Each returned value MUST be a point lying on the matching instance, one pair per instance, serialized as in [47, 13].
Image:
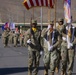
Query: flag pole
[55, 6]
[49, 11]
[41, 17]
[33, 13]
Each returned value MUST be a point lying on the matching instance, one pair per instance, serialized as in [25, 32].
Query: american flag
[35, 3]
[67, 10]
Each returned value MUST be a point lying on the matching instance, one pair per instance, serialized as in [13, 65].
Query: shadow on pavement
[6, 71]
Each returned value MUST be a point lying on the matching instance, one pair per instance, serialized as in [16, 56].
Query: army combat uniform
[21, 37]
[62, 48]
[24, 40]
[5, 36]
[33, 36]
[71, 41]
[11, 37]
[50, 55]
[15, 38]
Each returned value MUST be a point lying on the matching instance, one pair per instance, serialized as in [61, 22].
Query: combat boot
[4, 45]
[62, 73]
[56, 70]
[45, 72]
[35, 73]
[52, 73]
[29, 72]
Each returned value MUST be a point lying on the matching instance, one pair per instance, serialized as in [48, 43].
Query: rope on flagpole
[55, 6]
[41, 17]
[49, 11]
[33, 13]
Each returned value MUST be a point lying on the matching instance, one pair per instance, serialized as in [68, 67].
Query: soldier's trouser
[10, 39]
[64, 58]
[25, 43]
[53, 59]
[58, 61]
[6, 41]
[21, 41]
[46, 69]
[34, 57]
[50, 58]
[46, 60]
[15, 40]
[70, 61]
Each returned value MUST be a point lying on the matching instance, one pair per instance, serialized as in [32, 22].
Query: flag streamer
[67, 10]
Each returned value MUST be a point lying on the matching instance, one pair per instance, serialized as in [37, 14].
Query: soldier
[60, 28]
[51, 39]
[34, 47]
[46, 52]
[15, 38]
[71, 41]
[60, 25]
[21, 37]
[63, 56]
[25, 43]
[5, 36]
[11, 37]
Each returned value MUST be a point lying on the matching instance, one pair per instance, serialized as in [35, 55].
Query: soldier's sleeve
[74, 42]
[58, 40]
[43, 32]
[64, 31]
[28, 34]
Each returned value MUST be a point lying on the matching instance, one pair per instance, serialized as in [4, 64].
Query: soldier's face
[60, 23]
[52, 25]
[34, 25]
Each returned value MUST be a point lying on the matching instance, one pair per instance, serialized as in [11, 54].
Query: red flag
[33, 3]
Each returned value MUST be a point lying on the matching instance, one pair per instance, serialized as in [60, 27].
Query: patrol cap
[34, 21]
[51, 22]
[60, 20]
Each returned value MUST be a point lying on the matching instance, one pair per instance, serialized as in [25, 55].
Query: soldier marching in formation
[57, 44]
[51, 39]
[34, 48]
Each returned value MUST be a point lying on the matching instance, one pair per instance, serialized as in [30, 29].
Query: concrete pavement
[14, 61]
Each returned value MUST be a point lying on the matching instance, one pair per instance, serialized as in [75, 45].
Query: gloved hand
[28, 41]
[71, 44]
[64, 38]
[41, 52]
[50, 48]
[48, 27]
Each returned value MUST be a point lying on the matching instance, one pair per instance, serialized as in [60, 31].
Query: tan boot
[45, 72]
[56, 70]
[62, 73]
[52, 73]
[29, 72]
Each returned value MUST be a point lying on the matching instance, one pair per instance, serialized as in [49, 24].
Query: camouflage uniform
[11, 37]
[15, 39]
[50, 57]
[63, 57]
[5, 36]
[33, 49]
[62, 48]
[70, 46]
[21, 37]
[25, 43]
[46, 52]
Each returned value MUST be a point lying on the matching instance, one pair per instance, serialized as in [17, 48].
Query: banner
[67, 10]
[12, 26]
